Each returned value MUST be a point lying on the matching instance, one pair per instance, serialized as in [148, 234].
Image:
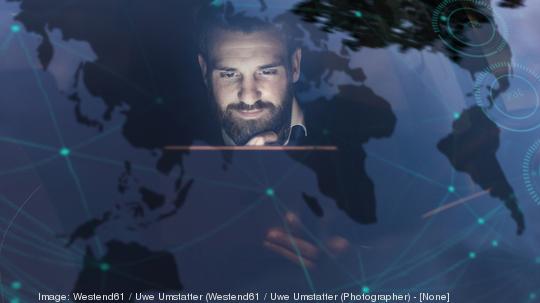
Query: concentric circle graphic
[509, 95]
[531, 172]
[469, 27]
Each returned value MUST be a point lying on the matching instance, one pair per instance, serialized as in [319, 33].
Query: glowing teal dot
[494, 243]
[481, 221]
[472, 255]
[326, 132]
[451, 189]
[64, 151]
[15, 28]
[358, 14]
[443, 18]
[16, 285]
[456, 115]
[104, 266]
[270, 192]
[14, 300]
[537, 260]
[216, 3]
[365, 289]
[532, 296]
[159, 100]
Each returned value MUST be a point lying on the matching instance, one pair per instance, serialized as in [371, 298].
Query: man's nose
[249, 92]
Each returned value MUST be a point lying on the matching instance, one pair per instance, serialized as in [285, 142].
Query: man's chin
[243, 138]
[242, 130]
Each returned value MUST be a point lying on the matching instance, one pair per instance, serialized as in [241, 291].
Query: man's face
[250, 78]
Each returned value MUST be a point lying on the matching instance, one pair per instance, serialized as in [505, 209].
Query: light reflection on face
[251, 83]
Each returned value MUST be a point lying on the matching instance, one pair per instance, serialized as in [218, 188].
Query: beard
[277, 119]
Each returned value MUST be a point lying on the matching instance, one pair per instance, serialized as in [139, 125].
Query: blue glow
[104, 266]
[16, 285]
[64, 151]
[15, 28]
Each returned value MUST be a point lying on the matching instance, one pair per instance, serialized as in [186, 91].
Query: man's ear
[296, 63]
[204, 67]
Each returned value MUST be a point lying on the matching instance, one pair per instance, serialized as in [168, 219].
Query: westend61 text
[250, 297]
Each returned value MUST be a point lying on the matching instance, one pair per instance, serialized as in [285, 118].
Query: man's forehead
[233, 46]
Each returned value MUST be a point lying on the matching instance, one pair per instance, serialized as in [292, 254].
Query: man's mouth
[250, 113]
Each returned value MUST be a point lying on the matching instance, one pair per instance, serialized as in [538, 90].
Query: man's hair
[211, 20]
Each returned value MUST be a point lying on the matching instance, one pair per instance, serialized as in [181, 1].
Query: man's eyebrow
[273, 64]
[225, 68]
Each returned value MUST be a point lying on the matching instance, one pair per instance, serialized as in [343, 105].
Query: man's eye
[228, 75]
[269, 71]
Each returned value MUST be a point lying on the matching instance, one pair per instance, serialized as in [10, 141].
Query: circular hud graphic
[508, 94]
[469, 28]
[531, 171]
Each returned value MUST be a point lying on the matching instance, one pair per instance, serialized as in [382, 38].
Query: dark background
[116, 81]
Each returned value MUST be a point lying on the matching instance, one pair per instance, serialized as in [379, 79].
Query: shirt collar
[297, 119]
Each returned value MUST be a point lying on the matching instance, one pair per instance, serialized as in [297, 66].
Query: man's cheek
[275, 92]
[226, 92]
[222, 99]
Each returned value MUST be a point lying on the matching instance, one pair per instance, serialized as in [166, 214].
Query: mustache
[255, 106]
